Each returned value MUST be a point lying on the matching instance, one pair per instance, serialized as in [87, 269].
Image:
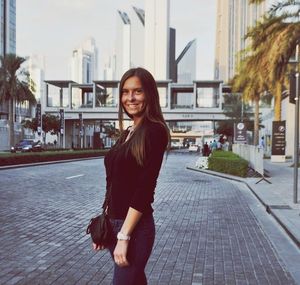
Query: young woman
[132, 167]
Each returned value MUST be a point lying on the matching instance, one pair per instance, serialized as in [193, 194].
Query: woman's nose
[131, 95]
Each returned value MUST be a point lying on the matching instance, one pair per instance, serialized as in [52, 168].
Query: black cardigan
[132, 185]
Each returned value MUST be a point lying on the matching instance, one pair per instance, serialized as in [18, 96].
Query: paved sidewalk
[276, 197]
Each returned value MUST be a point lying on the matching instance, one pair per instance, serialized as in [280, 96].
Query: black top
[133, 185]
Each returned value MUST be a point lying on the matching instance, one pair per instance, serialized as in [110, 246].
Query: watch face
[121, 236]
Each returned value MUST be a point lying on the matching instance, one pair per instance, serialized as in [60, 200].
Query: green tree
[236, 110]
[50, 123]
[250, 82]
[265, 62]
[14, 87]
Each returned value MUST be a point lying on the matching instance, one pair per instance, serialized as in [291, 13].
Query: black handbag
[100, 227]
[100, 230]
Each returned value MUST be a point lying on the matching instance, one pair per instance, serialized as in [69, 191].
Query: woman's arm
[120, 253]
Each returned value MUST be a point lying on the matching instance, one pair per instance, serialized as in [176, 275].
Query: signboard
[38, 116]
[293, 89]
[240, 133]
[80, 124]
[278, 141]
[62, 120]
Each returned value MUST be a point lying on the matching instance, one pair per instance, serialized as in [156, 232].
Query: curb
[269, 210]
[5, 167]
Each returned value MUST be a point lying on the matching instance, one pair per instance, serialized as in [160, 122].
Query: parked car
[27, 145]
[194, 148]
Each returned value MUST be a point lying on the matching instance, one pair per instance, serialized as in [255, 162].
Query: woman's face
[133, 97]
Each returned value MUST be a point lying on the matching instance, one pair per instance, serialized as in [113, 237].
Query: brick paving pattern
[206, 232]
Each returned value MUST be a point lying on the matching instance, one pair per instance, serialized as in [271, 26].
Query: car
[194, 148]
[176, 144]
[27, 145]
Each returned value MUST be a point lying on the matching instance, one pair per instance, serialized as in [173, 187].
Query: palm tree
[250, 82]
[275, 37]
[265, 61]
[14, 87]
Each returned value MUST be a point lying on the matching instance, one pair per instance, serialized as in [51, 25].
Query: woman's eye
[139, 91]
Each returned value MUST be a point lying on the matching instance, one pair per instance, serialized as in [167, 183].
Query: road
[209, 230]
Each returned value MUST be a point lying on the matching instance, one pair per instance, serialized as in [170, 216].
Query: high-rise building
[8, 27]
[146, 43]
[157, 20]
[7, 45]
[36, 69]
[172, 55]
[7, 37]
[84, 69]
[234, 17]
[84, 62]
[186, 63]
[110, 68]
[123, 44]
[137, 17]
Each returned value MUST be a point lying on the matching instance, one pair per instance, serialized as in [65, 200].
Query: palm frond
[281, 5]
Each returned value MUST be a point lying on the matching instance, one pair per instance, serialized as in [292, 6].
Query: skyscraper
[7, 38]
[234, 17]
[8, 27]
[137, 17]
[123, 44]
[7, 45]
[157, 20]
[84, 62]
[36, 68]
[186, 63]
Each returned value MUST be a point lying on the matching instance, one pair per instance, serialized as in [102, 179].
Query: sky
[53, 28]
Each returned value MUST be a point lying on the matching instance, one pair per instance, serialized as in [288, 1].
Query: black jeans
[139, 250]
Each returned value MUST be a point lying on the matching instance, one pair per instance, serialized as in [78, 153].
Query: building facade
[186, 63]
[123, 44]
[157, 38]
[8, 27]
[84, 62]
[234, 17]
[7, 45]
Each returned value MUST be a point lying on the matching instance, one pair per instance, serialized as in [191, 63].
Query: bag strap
[107, 199]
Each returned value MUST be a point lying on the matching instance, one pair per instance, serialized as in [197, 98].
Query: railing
[251, 153]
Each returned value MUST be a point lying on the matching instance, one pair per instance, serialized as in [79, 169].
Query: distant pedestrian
[262, 143]
[132, 167]
[206, 149]
[214, 145]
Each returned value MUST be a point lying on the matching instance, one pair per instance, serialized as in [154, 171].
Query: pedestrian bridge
[198, 101]
[90, 111]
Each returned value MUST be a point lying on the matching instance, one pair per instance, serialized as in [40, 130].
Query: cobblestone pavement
[206, 231]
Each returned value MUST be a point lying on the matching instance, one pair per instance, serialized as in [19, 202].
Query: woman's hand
[120, 253]
[98, 247]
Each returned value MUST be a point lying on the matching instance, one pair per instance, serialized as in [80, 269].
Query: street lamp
[296, 142]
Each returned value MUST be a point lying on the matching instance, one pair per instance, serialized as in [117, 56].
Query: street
[209, 230]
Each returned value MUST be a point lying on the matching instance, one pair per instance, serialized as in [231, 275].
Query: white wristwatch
[121, 236]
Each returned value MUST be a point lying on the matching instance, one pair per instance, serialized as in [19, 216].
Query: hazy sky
[53, 28]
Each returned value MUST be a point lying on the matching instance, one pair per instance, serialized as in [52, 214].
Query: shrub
[228, 162]
[25, 158]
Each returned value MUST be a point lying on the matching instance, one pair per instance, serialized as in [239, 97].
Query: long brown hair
[151, 113]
